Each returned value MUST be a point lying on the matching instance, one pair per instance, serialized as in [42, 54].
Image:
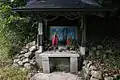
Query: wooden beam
[40, 37]
[46, 29]
[83, 40]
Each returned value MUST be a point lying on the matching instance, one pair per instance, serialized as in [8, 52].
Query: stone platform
[55, 76]
[45, 57]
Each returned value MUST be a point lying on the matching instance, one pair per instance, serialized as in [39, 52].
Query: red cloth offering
[54, 40]
[68, 42]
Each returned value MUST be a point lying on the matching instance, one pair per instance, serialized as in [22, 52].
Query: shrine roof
[62, 5]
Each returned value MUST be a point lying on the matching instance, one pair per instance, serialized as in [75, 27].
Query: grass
[8, 73]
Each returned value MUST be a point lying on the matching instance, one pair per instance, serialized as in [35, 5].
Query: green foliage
[18, 3]
[14, 31]
[13, 74]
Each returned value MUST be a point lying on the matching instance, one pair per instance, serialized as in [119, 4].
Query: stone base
[71, 61]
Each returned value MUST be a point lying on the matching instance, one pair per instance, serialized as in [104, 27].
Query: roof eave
[63, 9]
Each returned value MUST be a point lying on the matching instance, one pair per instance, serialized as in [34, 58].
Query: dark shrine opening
[64, 28]
[96, 27]
[62, 21]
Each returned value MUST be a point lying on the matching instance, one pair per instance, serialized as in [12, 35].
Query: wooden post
[83, 40]
[46, 29]
[40, 37]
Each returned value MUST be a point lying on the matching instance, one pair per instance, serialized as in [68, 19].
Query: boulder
[85, 62]
[30, 75]
[22, 58]
[89, 64]
[96, 74]
[33, 48]
[87, 71]
[14, 65]
[27, 47]
[23, 51]
[108, 51]
[116, 76]
[92, 68]
[86, 76]
[98, 53]
[108, 78]
[93, 48]
[27, 54]
[25, 60]
[20, 63]
[21, 55]
[16, 60]
[90, 53]
[33, 43]
[99, 46]
[32, 62]
[93, 78]
[30, 44]
[27, 66]
[16, 56]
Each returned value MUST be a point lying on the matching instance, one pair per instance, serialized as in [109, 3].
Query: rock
[85, 62]
[89, 64]
[33, 48]
[32, 62]
[21, 55]
[90, 53]
[14, 65]
[93, 78]
[16, 60]
[25, 60]
[106, 74]
[108, 51]
[22, 58]
[93, 49]
[27, 47]
[27, 54]
[116, 76]
[23, 51]
[96, 74]
[98, 53]
[38, 51]
[108, 78]
[30, 75]
[92, 68]
[16, 56]
[30, 44]
[20, 63]
[99, 46]
[87, 70]
[86, 76]
[27, 65]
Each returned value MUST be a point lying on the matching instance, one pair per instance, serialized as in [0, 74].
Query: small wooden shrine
[66, 18]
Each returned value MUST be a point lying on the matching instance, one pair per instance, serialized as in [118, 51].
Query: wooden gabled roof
[61, 5]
